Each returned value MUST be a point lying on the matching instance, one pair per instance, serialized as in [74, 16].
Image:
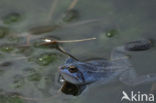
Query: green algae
[12, 18]
[7, 48]
[111, 33]
[44, 59]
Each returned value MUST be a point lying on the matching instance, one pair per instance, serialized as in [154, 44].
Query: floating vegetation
[45, 59]
[3, 31]
[10, 99]
[11, 18]
[70, 15]
[111, 33]
[7, 48]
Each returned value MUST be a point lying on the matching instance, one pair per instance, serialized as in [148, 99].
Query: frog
[80, 74]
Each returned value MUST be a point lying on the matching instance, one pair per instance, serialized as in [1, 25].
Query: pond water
[31, 71]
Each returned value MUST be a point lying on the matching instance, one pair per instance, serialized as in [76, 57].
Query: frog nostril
[61, 67]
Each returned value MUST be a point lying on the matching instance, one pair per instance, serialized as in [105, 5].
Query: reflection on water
[31, 71]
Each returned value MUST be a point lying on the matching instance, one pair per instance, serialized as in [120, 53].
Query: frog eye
[72, 69]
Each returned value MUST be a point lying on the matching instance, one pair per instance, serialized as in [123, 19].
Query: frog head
[76, 72]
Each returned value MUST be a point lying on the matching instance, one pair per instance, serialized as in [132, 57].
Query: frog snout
[61, 68]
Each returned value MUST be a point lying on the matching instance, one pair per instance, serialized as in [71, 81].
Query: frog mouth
[70, 88]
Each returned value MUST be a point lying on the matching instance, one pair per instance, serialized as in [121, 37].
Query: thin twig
[48, 41]
[52, 9]
[72, 5]
[59, 48]
[74, 41]
[28, 39]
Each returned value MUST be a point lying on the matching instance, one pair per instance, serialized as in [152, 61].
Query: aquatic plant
[45, 59]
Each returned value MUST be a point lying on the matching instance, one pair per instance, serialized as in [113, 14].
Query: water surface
[132, 19]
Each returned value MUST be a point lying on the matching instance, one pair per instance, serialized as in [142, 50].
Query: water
[132, 19]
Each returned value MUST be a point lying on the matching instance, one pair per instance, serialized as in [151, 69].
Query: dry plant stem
[72, 41]
[55, 42]
[52, 9]
[72, 5]
[67, 41]
[28, 40]
[59, 48]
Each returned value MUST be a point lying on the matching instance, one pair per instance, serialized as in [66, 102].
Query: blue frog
[81, 74]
